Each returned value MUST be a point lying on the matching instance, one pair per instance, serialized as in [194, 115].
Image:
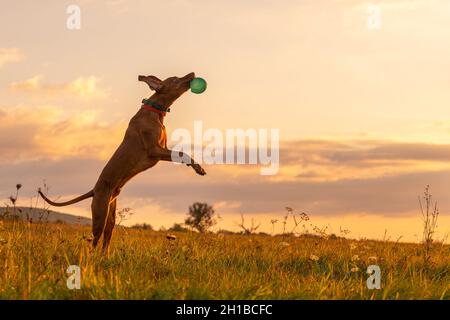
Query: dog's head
[167, 91]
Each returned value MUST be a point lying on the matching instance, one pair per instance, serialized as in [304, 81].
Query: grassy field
[144, 264]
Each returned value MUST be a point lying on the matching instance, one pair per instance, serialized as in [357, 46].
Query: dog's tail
[62, 204]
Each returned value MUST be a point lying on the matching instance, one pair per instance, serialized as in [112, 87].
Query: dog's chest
[163, 138]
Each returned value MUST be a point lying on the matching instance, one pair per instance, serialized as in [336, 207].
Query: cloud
[362, 152]
[321, 177]
[386, 196]
[322, 160]
[175, 187]
[27, 85]
[10, 55]
[86, 88]
[83, 87]
[53, 135]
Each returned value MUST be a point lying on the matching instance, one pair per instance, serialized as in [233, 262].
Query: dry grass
[146, 264]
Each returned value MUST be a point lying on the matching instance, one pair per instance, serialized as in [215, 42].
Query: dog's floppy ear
[153, 82]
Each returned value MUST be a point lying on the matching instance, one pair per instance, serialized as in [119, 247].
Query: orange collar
[150, 108]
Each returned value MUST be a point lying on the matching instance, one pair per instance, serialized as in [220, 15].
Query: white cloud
[32, 83]
[83, 87]
[86, 87]
[10, 55]
[36, 132]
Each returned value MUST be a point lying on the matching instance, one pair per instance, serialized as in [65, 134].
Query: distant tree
[177, 227]
[201, 217]
[142, 226]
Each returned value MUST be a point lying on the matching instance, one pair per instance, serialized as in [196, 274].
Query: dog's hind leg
[110, 223]
[100, 209]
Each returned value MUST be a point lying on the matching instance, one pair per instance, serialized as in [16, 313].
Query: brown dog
[144, 144]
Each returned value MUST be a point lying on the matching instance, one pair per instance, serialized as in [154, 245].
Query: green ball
[198, 85]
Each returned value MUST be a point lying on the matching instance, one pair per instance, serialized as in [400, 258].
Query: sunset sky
[364, 115]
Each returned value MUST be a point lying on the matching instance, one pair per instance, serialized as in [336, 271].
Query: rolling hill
[42, 215]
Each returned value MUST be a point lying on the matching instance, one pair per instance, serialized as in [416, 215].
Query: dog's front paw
[198, 169]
